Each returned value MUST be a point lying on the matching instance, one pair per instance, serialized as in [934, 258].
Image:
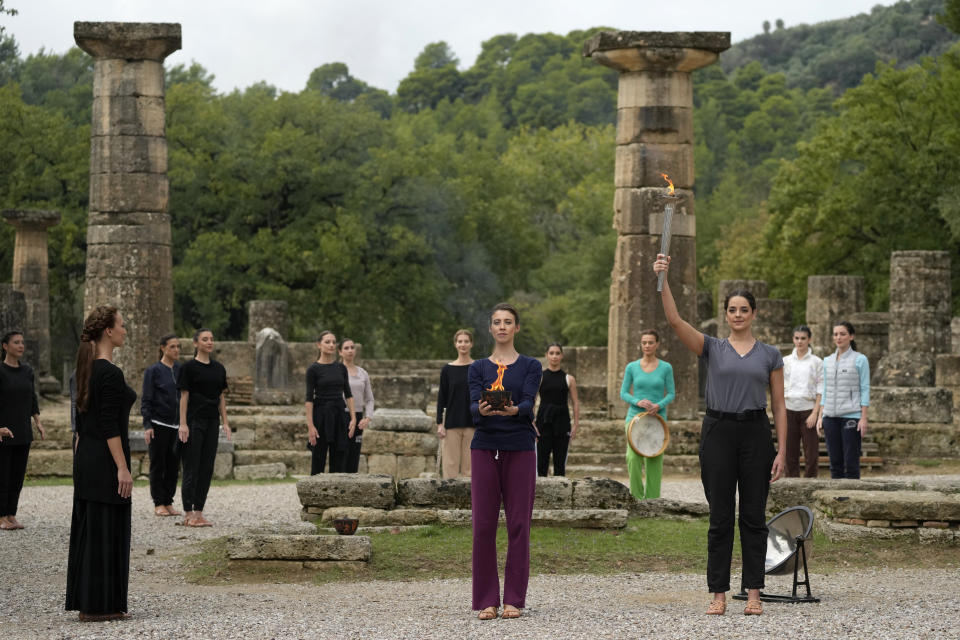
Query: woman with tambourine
[647, 387]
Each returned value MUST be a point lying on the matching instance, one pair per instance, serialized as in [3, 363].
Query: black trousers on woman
[555, 440]
[13, 468]
[98, 562]
[331, 423]
[164, 465]
[736, 453]
[352, 461]
[198, 454]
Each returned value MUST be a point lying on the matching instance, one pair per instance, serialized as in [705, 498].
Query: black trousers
[164, 465]
[352, 460]
[555, 441]
[198, 454]
[13, 468]
[736, 454]
[331, 423]
[843, 446]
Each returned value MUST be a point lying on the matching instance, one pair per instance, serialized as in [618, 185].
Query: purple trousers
[510, 477]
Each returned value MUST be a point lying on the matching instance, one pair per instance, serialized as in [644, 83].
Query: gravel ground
[873, 604]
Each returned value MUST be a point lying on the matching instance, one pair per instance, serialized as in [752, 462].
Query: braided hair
[99, 320]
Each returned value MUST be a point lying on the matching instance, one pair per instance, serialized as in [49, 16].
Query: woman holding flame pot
[736, 451]
[503, 462]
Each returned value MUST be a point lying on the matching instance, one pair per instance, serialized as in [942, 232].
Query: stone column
[654, 136]
[13, 309]
[263, 314]
[30, 276]
[831, 299]
[128, 234]
[920, 309]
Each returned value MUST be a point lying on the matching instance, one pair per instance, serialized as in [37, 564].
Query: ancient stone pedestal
[128, 234]
[272, 368]
[30, 276]
[831, 299]
[264, 314]
[654, 136]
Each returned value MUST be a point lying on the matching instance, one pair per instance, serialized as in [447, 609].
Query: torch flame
[498, 383]
[669, 182]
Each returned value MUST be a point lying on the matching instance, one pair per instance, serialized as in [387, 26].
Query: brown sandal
[753, 608]
[487, 614]
[717, 608]
[510, 614]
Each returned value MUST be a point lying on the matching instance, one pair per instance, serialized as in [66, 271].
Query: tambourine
[648, 435]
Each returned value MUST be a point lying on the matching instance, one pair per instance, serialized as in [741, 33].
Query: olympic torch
[665, 234]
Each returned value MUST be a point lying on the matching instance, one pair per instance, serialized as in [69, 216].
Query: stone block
[411, 466]
[948, 371]
[128, 116]
[641, 165]
[889, 506]
[128, 154]
[347, 490]
[402, 391]
[382, 518]
[640, 89]
[924, 440]
[263, 314]
[790, 492]
[938, 536]
[382, 464]
[581, 518]
[136, 465]
[911, 404]
[774, 321]
[386, 419]
[296, 462]
[127, 40]
[260, 471]
[955, 335]
[121, 77]
[656, 124]
[129, 234]
[553, 493]
[129, 192]
[244, 438]
[280, 432]
[664, 508]
[50, 463]
[298, 547]
[453, 493]
[837, 532]
[873, 336]
[933, 524]
[588, 364]
[857, 521]
[904, 523]
[405, 443]
[601, 493]
[223, 465]
[831, 299]
[640, 211]
[903, 369]
[282, 527]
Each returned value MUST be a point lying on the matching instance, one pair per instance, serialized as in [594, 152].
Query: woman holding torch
[736, 451]
[503, 462]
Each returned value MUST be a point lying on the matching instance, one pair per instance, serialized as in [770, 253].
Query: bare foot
[171, 511]
[14, 523]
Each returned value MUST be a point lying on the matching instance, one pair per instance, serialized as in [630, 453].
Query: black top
[204, 383]
[18, 402]
[161, 399]
[453, 398]
[107, 416]
[553, 413]
[328, 383]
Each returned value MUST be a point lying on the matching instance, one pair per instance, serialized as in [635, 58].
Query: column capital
[128, 40]
[683, 51]
[31, 218]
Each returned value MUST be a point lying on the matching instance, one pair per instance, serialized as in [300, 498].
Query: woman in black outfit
[98, 565]
[454, 421]
[553, 415]
[18, 404]
[160, 408]
[329, 402]
[202, 382]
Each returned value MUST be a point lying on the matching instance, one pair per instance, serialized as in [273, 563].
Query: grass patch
[645, 545]
[928, 464]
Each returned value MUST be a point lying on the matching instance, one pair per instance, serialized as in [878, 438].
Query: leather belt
[743, 416]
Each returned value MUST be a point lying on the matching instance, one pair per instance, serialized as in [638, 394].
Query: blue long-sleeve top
[160, 399]
[656, 386]
[505, 433]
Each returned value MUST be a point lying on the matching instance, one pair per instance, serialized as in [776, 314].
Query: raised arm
[688, 335]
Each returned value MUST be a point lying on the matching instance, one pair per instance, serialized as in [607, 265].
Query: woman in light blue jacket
[844, 402]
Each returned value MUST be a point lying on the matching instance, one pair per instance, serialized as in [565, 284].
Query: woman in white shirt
[802, 377]
[363, 400]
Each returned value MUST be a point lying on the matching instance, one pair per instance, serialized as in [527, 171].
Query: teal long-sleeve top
[656, 386]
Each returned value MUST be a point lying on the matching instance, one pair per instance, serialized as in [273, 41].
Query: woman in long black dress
[331, 419]
[98, 566]
[18, 404]
[553, 414]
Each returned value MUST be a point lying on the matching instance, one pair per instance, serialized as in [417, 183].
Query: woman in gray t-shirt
[736, 451]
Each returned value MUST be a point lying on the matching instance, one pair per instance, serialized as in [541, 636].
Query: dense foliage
[398, 218]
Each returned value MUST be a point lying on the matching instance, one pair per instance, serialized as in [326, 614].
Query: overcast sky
[244, 41]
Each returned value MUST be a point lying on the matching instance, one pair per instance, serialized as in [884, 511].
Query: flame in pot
[498, 383]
